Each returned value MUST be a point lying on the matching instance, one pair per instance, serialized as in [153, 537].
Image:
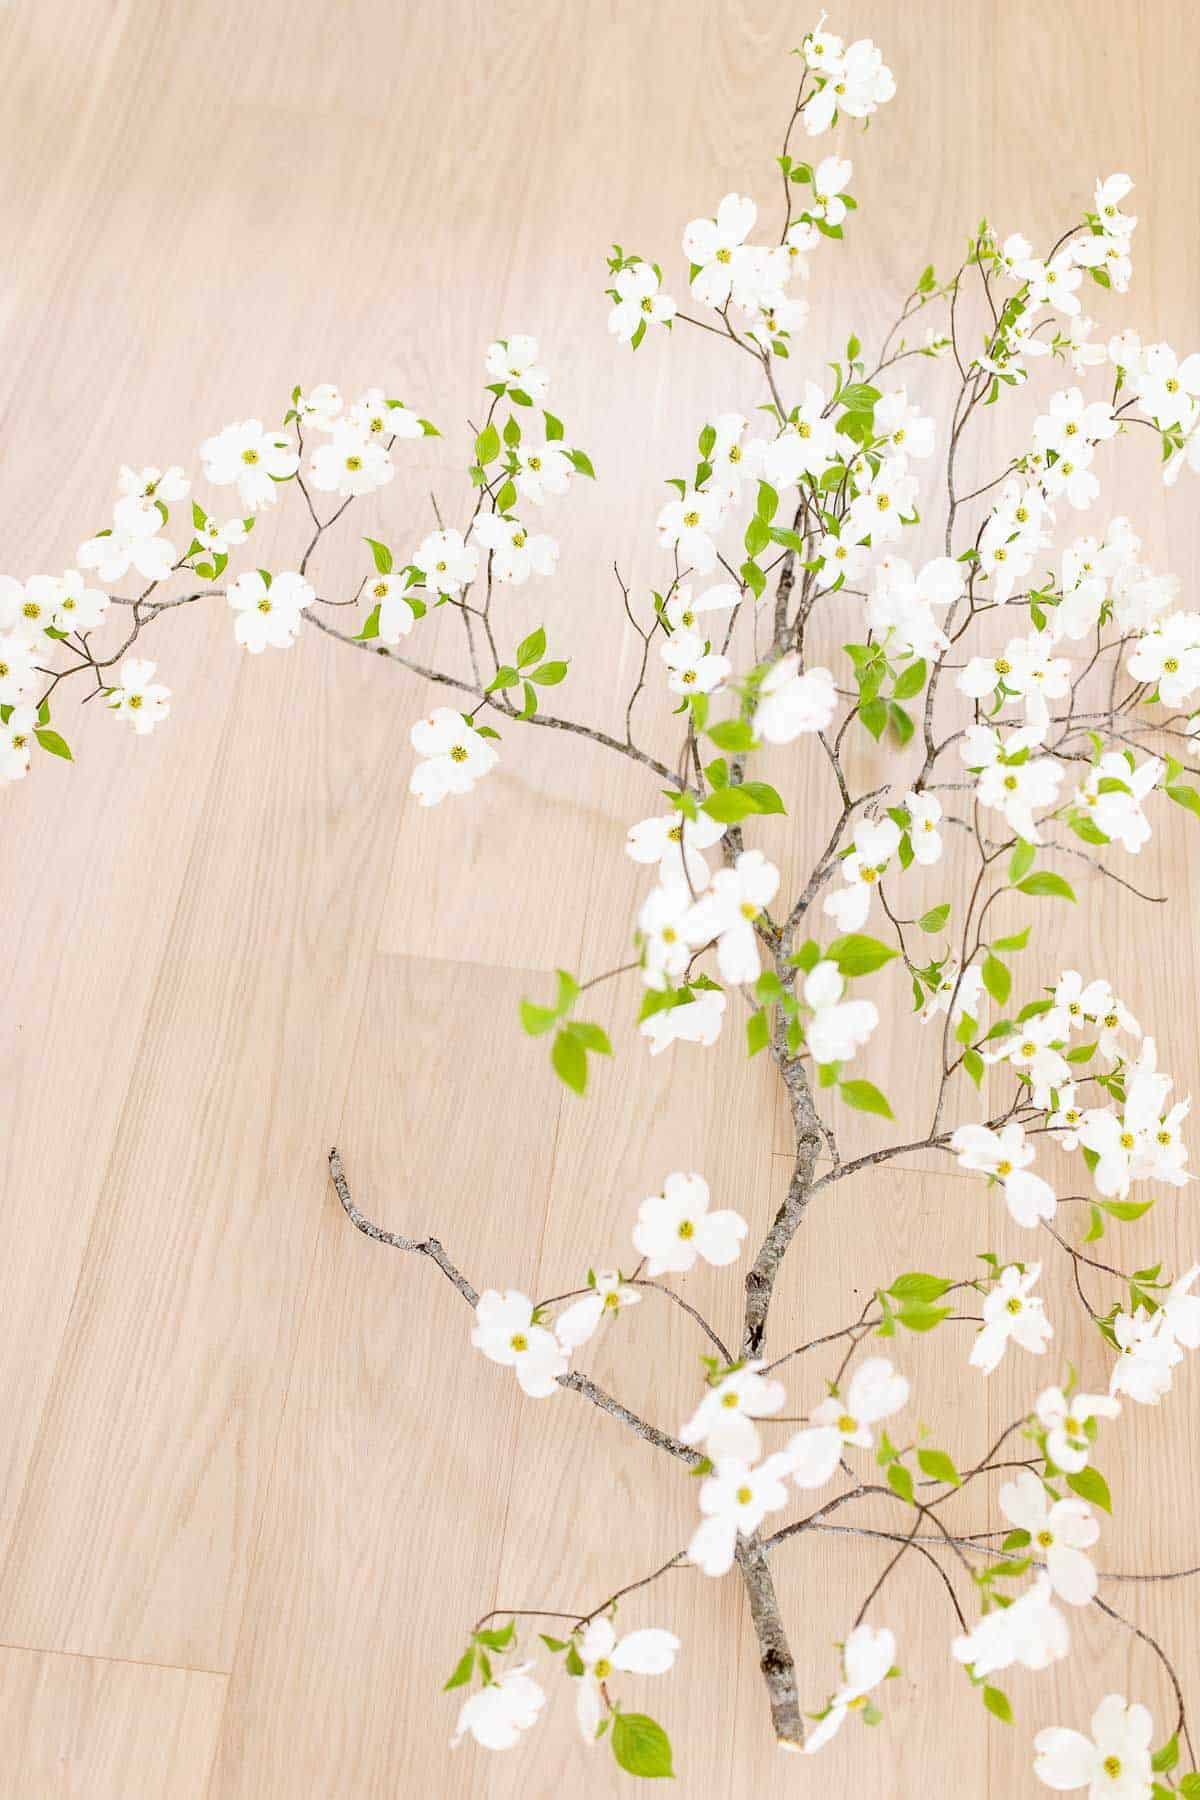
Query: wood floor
[253, 1486]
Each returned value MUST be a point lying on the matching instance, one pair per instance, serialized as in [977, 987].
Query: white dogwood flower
[868, 1656]
[138, 697]
[1012, 1313]
[514, 361]
[349, 462]
[1113, 1764]
[924, 817]
[320, 407]
[16, 743]
[675, 1227]
[791, 703]
[664, 919]
[517, 553]
[18, 671]
[396, 615]
[455, 756]
[676, 844]
[1031, 1632]
[447, 563]
[727, 912]
[648, 1652]
[693, 667]
[1006, 1156]
[711, 245]
[133, 542]
[542, 470]
[689, 525]
[1065, 1424]
[838, 1028]
[252, 459]
[724, 1420]
[506, 1333]
[695, 1021]
[268, 611]
[876, 1391]
[150, 483]
[497, 1714]
[876, 841]
[1060, 1535]
[857, 83]
[684, 608]
[736, 1499]
[1114, 794]
[604, 1300]
[380, 420]
[640, 304]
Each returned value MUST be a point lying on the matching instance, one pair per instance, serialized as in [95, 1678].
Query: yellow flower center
[1112, 1767]
[1045, 1539]
[804, 429]
[1127, 1140]
[1072, 1426]
[648, 304]
[1171, 385]
[612, 1301]
[1003, 667]
[748, 910]
[380, 590]
[1013, 1306]
[602, 1669]
[669, 934]
[1004, 1168]
[264, 605]
[1111, 1020]
[1070, 428]
[1029, 1048]
[354, 464]
[1170, 665]
[691, 520]
[724, 256]
[729, 1400]
[250, 456]
[744, 1496]
[846, 1424]
[535, 462]
[1011, 783]
[458, 753]
[133, 700]
[519, 1341]
[1164, 1137]
[686, 1228]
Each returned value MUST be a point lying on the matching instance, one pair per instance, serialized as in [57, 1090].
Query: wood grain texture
[241, 1443]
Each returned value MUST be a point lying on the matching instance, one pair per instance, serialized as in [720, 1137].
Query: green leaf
[1189, 1787]
[917, 1315]
[1186, 797]
[732, 735]
[900, 721]
[1046, 885]
[531, 649]
[874, 715]
[730, 804]
[506, 499]
[641, 1746]
[548, 674]
[939, 1467]
[593, 1037]
[557, 1645]
[900, 1482]
[583, 462]
[757, 1032]
[757, 536]
[370, 626]
[911, 681]
[1017, 941]
[1167, 1756]
[51, 741]
[1021, 861]
[382, 555]
[554, 428]
[935, 918]
[918, 1286]
[857, 954]
[568, 1058]
[462, 1670]
[487, 446]
[536, 1020]
[998, 1704]
[865, 1097]
[1091, 1486]
[1125, 1210]
[973, 1064]
[498, 1637]
[997, 979]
